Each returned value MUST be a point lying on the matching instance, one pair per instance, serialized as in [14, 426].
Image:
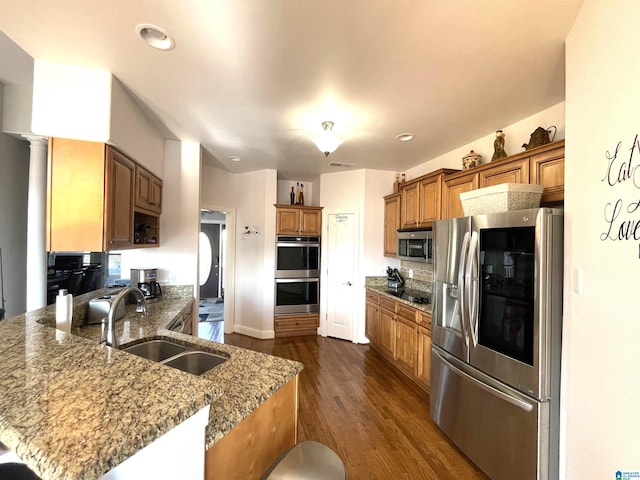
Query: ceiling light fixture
[234, 158]
[404, 137]
[328, 141]
[155, 36]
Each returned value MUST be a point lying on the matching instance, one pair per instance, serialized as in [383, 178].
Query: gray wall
[14, 182]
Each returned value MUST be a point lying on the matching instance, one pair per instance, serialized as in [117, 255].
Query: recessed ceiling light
[155, 36]
[234, 158]
[404, 137]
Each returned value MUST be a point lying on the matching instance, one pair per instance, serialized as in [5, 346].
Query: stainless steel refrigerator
[496, 336]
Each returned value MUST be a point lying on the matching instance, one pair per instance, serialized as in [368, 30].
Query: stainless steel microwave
[415, 246]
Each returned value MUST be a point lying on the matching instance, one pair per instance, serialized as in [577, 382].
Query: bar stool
[307, 460]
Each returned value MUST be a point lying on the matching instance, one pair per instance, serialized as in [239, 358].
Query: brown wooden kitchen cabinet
[247, 451]
[90, 198]
[547, 168]
[453, 187]
[391, 223]
[515, 171]
[372, 317]
[298, 220]
[423, 365]
[148, 191]
[422, 200]
[402, 334]
[542, 165]
[386, 334]
[296, 325]
[406, 338]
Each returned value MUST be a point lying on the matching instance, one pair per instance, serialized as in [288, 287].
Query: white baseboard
[255, 333]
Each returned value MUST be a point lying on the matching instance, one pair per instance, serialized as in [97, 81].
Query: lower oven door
[297, 295]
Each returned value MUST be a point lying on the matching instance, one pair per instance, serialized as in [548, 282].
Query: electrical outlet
[410, 273]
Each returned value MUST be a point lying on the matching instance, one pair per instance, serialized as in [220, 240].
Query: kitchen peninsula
[73, 409]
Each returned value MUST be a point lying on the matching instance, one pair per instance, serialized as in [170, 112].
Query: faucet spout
[108, 336]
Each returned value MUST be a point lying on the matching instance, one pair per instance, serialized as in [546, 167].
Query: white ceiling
[255, 78]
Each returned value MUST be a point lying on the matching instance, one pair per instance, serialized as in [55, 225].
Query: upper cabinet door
[516, 171]
[310, 222]
[453, 187]
[411, 205]
[148, 191]
[392, 210]
[120, 182]
[430, 193]
[287, 221]
[547, 168]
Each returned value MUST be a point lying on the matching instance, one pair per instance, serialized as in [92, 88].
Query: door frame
[229, 275]
[357, 330]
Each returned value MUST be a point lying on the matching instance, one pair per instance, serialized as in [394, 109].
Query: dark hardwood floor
[354, 402]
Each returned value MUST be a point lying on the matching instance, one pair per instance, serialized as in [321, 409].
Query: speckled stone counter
[72, 409]
[379, 285]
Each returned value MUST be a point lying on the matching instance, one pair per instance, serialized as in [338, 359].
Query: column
[36, 224]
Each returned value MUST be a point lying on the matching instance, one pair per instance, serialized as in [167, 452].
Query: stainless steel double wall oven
[297, 275]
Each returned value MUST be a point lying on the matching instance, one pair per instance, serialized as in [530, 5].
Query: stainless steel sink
[195, 362]
[156, 350]
[177, 356]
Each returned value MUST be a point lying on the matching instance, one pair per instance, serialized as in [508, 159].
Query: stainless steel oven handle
[461, 289]
[297, 280]
[526, 406]
[295, 244]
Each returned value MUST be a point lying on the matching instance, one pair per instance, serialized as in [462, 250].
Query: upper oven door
[297, 258]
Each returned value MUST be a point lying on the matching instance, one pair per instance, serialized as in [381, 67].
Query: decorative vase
[498, 146]
[471, 160]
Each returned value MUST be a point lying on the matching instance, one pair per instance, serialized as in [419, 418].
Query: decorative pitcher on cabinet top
[540, 137]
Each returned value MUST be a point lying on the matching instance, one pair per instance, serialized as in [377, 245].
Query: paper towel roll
[64, 310]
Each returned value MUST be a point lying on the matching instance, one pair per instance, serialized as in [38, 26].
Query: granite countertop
[73, 409]
[379, 285]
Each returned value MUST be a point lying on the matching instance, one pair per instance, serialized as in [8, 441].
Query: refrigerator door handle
[471, 288]
[526, 406]
[461, 288]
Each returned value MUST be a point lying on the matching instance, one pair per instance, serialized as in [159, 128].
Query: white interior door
[342, 254]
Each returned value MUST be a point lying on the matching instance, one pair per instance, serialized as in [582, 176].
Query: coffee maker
[147, 279]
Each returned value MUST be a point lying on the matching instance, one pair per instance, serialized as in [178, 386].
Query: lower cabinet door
[423, 367]
[406, 338]
[387, 332]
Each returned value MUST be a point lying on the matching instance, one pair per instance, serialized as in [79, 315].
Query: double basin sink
[177, 356]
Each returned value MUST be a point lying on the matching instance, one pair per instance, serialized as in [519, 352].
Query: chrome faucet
[108, 333]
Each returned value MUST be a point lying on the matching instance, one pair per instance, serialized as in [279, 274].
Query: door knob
[348, 284]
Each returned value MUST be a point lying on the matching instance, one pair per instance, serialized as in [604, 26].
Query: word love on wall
[623, 216]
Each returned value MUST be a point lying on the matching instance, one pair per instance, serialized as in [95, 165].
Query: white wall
[255, 254]
[132, 132]
[177, 256]
[16, 71]
[14, 182]
[71, 102]
[600, 387]
[284, 190]
[219, 187]
[515, 135]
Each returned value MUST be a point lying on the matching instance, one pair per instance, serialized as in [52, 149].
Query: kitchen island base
[249, 449]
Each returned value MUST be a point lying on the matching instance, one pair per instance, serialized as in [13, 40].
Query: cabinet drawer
[296, 325]
[424, 319]
[407, 312]
[387, 303]
[373, 296]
